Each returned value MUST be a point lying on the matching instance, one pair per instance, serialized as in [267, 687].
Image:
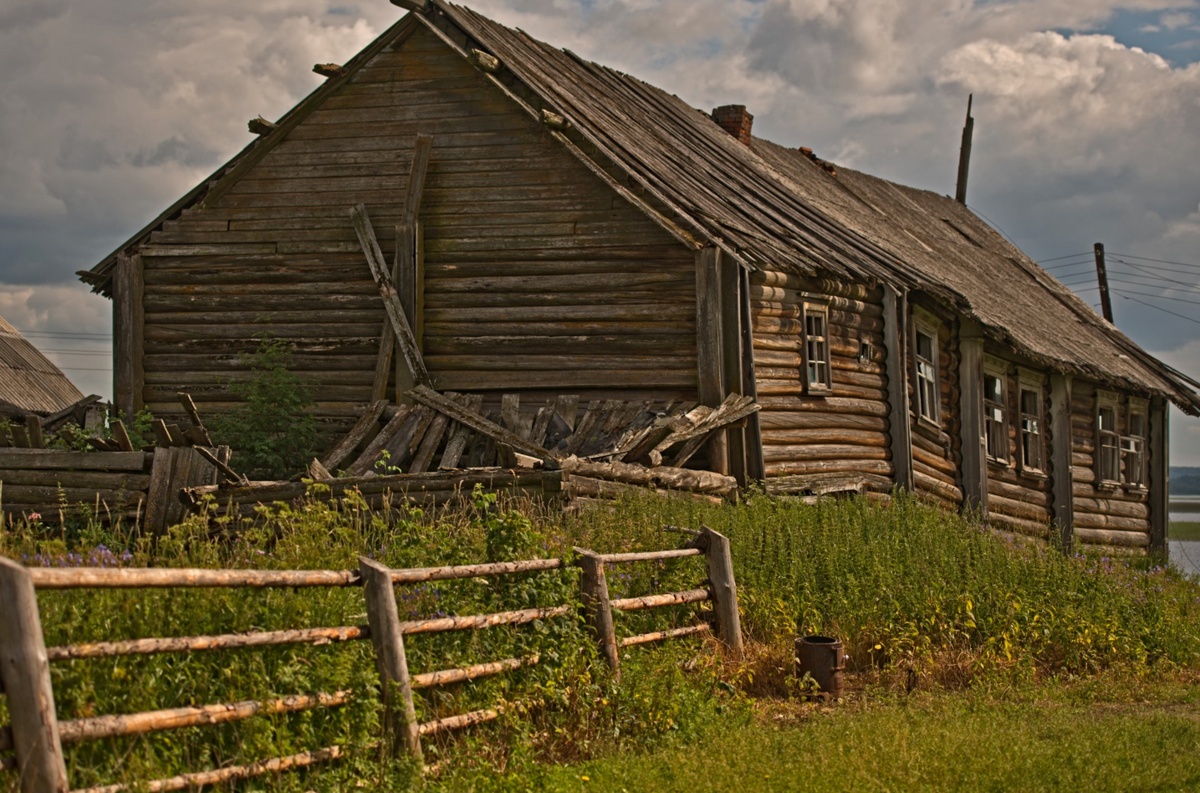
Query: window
[1133, 445]
[995, 416]
[816, 348]
[1108, 440]
[925, 366]
[1031, 447]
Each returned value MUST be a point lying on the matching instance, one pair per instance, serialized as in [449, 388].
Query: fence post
[724, 588]
[597, 609]
[25, 673]
[388, 640]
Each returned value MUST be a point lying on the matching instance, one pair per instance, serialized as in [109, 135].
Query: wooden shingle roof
[28, 379]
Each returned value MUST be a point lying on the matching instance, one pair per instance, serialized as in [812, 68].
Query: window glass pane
[1030, 402]
[1137, 425]
[1108, 420]
[992, 388]
[924, 346]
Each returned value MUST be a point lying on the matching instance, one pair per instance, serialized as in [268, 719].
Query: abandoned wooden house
[577, 231]
[29, 382]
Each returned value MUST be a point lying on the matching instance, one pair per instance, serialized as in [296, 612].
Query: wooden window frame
[1108, 441]
[925, 324]
[995, 413]
[1133, 446]
[823, 387]
[1035, 383]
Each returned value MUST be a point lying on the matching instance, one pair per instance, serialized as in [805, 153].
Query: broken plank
[458, 439]
[358, 433]
[433, 437]
[427, 396]
[365, 461]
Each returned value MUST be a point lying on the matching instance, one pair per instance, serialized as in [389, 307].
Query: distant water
[1185, 554]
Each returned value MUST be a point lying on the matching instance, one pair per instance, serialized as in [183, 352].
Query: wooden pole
[970, 411]
[598, 609]
[708, 346]
[1062, 479]
[964, 155]
[25, 674]
[731, 363]
[895, 342]
[388, 640]
[1160, 475]
[724, 588]
[127, 334]
[756, 469]
[1102, 279]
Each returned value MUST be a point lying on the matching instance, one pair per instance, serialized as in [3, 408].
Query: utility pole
[964, 155]
[1102, 278]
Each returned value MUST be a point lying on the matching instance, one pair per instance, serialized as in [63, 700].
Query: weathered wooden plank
[362, 428]
[370, 454]
[128, 322]
[462, 433]
[431, 398]
[44, 459]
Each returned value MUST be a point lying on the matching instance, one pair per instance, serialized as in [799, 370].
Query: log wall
[537, 276]
[813, 442]
[937, 450]
[1110, 515]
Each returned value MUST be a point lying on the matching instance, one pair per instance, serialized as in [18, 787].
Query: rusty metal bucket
[824, 659]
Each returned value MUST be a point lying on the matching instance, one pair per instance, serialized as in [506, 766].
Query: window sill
[1110, 487]
[1034, 473]
[929, 423]
[1003, 465]
[1135, 488]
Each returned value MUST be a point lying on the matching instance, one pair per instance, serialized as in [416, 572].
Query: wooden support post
[1160, 474]
[597, 609]
[708, 346]
[1102, 281]
[756, 466]
[964, 156]
[1062, 479]
[408, 273]
[388, 641]
[128, 322]
[724, 588]
[25, 674]
[731, 362]
[895, 341]
[970, 411]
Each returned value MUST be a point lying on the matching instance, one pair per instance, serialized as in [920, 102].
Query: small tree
[273, 432]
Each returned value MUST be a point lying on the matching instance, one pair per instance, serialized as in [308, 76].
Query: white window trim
[998, 368]
[1107, 400]
[809, 307]
[927, 324]
[1029, 380]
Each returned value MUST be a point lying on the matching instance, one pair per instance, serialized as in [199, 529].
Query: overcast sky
[1087, 122]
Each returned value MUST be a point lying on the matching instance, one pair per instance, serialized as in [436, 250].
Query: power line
[64, 335]
[1164, 297]
[1158, 308]
[1060, 258]
[1148, 286]
[1159, 261]
[1157, 268]
[994, 225]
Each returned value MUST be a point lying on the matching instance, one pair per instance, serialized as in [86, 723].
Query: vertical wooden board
[128, 329]
[387, 638]
[541, 423]
[724, 589]
[970, 408]
[1160, 474]
[366, 461]
[460, 436]
[895, 342]
[597, 608]
[158, 493]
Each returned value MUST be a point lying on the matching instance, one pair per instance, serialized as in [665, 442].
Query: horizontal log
[472, 623]
[556, 363]
[96, 480]
[1126, 539]
[604, 311]
[658, 636]
[1032, 528]
[768, 307]
[1017, 509]
[600, 346]
[159, 577]
[825, 483]
[98, 727]
[661, 476]
[418, 575]
[793, 281]
[797, 468]
[1109, 506]
[35, 494]
[1032, 491]
[781, 325]
[540, 328]
[457, 722]
[924, 481]
[44, 459]
[448, 676]
[868, 438]
[218, 776]
[783, 420]
[576, 486]
[793, 387]
[649, 556]
[188, 644]
[829, 451]
[598, 377]
[1091, 520]
[934, 461]
[658, 601]
[439, 284]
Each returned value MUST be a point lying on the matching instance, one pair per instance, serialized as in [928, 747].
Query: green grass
[909, 589]
[1184, 530]
[950, 742]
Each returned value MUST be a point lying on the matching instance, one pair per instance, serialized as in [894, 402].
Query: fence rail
[32, 744]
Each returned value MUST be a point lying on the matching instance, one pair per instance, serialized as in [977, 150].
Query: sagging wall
[936, 448]
[1019, 498]
[1104, 514]
[810, 441]
[536, 275]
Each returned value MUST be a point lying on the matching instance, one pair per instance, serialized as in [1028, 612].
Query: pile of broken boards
[438, 449]
[118, 478]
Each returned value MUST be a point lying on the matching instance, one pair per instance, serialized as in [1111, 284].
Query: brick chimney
[735, 120]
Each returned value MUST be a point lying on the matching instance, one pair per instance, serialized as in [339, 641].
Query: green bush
[273, 431]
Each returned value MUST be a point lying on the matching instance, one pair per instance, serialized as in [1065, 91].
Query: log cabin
[578, 231]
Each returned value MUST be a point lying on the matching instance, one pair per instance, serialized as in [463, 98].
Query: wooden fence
[32, 744]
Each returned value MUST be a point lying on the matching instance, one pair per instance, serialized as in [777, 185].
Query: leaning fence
[32, 744]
